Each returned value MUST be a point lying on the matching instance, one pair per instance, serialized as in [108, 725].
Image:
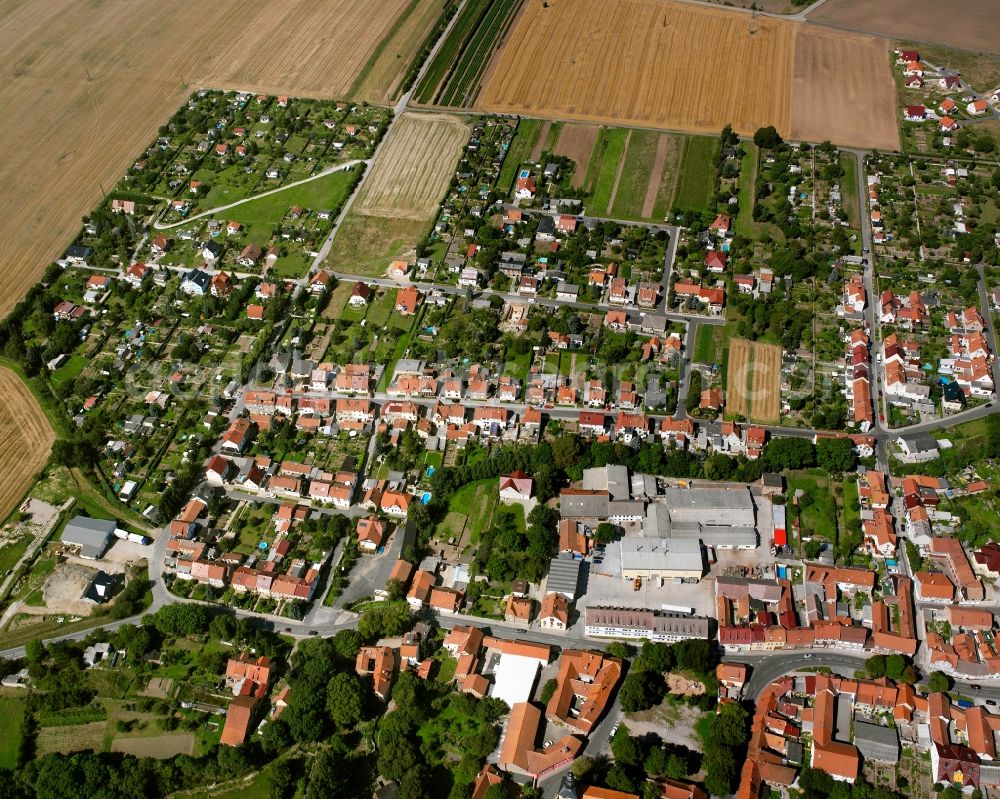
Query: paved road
[767, 667]
[684, 370]
[212, 211]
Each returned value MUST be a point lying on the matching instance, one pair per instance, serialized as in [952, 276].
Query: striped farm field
[753, 380]
[88, 84]
[412, 172]
[396, 204]
[25, 439]
[453, 77]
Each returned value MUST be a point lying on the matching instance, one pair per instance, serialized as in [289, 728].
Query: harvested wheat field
[576, 142]
[753, 380]
[86, 85]
[966, 24]
[303, 47]
[400, 196]
[644, 62]
[412, 171]
[836, 75]
[25, 439]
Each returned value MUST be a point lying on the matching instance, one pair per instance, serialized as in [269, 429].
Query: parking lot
[602, 583]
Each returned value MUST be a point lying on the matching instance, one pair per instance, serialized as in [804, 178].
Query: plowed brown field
[967, 24]
[25, 439]
[576, 142]
[645, 62]
[86, 85]
[842, 89]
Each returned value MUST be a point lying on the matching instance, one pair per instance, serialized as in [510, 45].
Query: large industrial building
[659, 524]
[668, 558]
[711, 507]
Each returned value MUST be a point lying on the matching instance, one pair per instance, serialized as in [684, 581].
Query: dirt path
[618, 174]
[543, 136]
[655, 176]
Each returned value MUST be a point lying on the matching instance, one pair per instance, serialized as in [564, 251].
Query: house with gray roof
[564, 576]
[876, 742]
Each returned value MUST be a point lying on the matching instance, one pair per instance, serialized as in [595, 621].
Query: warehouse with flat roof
[658, 524]
[661, 557]
[92, 536]
[711, 507]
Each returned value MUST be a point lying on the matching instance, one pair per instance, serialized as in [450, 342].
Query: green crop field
[462, 84]
[11, 713]
[603, 168]
[635, 175]
[464, 26]
[697, 179]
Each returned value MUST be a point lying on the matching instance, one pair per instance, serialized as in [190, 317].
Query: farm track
[618, 173]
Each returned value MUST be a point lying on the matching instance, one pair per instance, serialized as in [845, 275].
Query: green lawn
[697, 179]
[603, 167]
[852, 510]
[69, 371]
[635, 175]
[379, 311]
[11, 713]
[260, 216]
[748, 174]
[818, 506]
[520, 149]
[11, 553]
[705, 344]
